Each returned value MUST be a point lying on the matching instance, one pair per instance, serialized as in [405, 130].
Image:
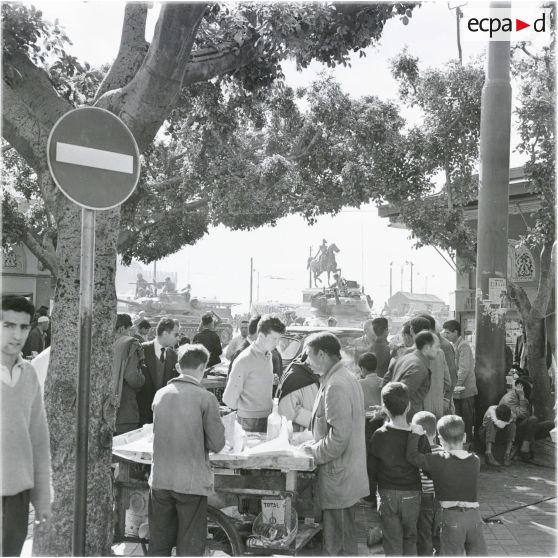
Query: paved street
[530, 531]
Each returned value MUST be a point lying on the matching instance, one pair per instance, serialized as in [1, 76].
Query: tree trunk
[536, 364]
[61, 385]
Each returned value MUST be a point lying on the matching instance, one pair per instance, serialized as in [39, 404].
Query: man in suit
[339, 449]
[413, 370]
[159, 366]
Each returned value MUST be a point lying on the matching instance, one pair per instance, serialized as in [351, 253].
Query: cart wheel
[222, 536]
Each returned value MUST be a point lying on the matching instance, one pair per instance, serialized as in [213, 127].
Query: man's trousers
[179, 520]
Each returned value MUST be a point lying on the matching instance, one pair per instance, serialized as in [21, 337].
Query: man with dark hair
[143, 328]
[250, 383]
[158, 367]
[413, 369]
[439, 395]
[465, 389]
[339, 449]
[186, 427]
[380, 346]
[24, 437]
[209, 339]
[127, 377]
[43, 311]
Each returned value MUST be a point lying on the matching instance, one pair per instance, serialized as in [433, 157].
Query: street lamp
[412, 265]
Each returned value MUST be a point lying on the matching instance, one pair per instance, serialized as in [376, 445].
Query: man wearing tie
[159, 366]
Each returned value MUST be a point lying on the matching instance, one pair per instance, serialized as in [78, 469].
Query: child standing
[455, 473]
[428, 526]
[398, 481]
[371, 384]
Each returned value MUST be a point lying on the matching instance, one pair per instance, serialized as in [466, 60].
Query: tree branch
[31, 108]
[145, 102]
[132, 51]
[307, 149]
[46, 258]
[125, 236]
[208, 63]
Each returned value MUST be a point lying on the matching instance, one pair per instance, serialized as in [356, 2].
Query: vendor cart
[243, 484]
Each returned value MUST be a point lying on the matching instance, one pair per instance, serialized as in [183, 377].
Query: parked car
[292, 342]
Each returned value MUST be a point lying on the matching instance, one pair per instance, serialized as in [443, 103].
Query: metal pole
[310, 270]
[411, 276]
[85, 319]
[458, 17]
[155, 276]
[251, 280]
[390, 279]
[492, 229]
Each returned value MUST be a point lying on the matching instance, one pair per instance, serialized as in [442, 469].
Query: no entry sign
[93, 158]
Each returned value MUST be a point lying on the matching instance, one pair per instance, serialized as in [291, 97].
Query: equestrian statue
[324, 261]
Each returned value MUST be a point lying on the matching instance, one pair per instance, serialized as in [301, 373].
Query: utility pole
[251, 281]
[412, 265]
[310, 270]
[458, 17]
[390, 279]
[155, 276]
[492, 228]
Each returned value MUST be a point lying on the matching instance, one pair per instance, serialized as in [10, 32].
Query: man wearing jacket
[413, 370]
[466, 386]
[339, 450]
[158, 367]
[127, 377]
[186, 427]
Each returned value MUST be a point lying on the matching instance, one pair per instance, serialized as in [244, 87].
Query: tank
[188, 312]
[350, 306]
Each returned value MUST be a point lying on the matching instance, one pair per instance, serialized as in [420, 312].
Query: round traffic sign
[93, 158]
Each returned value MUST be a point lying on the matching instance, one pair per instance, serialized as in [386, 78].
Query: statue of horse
[324, 263]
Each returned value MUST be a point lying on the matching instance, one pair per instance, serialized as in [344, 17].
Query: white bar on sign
[96, 158]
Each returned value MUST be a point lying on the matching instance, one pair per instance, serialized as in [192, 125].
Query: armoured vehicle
[188, 311]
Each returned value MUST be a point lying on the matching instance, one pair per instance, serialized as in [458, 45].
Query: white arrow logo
[96, 158]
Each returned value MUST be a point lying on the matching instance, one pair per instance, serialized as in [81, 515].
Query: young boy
[428, 526]
[186, 426]
[455, 473]
[497, 425]
[398, 481]
[371, 384]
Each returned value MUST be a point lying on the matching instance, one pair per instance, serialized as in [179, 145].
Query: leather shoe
[491, 460]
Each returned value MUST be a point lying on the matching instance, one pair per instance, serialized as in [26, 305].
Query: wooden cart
[240, 482]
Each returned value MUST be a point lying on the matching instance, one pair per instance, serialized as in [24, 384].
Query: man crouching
[186, 427]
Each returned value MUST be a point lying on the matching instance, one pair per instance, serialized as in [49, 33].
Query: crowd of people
[400, 436]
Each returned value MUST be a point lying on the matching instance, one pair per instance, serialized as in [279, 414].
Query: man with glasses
[159, 366]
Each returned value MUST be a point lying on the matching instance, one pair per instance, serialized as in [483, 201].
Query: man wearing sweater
[250, 384]
[25, 449]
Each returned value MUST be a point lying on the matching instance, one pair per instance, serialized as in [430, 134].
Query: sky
[219, 264]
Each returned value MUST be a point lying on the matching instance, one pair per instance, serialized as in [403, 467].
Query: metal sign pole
[85, 319]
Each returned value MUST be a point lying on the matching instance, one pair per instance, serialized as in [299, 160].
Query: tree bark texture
[145, 83]
[533, 316]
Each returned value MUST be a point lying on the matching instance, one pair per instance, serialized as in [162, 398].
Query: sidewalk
[530, 531]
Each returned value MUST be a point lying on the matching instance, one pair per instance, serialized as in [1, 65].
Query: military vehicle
[188, 311]
[348, 305]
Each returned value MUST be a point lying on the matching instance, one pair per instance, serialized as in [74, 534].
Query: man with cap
[36, 341]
